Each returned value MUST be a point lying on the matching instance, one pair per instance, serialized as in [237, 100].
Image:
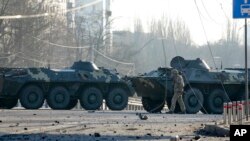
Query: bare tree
[90, 32]
[18, 32]
[26, 40]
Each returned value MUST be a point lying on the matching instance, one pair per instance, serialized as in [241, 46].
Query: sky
[214, 14]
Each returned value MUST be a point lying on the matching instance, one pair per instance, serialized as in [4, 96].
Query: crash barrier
[134, 104]
[235, 112]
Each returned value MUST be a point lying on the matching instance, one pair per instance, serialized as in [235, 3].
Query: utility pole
[107, 33]
[246, 70]
[49, 52]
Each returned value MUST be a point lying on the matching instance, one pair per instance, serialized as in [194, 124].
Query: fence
[235, 112]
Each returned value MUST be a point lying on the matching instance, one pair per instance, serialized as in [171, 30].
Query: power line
[208, 44]
[127, 70]
[6, 57]
[222, 9]
[208, 13]
[120, 62]
[188, 82]
[84, 6]
[26, 58]
[205, 34]
[62, 46]
[24, 16]
[86, 47]
[49, 14]
[204, 17]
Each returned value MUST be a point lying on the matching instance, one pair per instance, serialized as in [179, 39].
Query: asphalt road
[100, 125]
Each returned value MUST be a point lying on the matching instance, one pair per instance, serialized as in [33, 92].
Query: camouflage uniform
[178, 91]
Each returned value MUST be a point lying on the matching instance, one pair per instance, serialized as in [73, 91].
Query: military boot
[169, 112]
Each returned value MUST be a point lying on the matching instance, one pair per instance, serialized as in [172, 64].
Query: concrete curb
[217, 130]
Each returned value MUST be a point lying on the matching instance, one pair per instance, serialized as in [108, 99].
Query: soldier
[178, 91]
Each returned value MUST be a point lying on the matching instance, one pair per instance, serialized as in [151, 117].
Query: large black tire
[152, 106]
[31, 97]
[193, 100]
[117, 99]
[59, 98]
[72, 104]
[215, 101]
[205, 109]
[177, 106]
[91, 98]
[8, 103]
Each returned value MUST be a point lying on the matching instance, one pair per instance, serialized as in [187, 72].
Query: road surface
[80, 125]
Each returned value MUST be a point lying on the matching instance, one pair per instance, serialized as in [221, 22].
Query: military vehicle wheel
[8, 103]
[91, 99]
[193, 100]
[32, 97]
[152, 106]
[72, 104]
[177, 106]
[215, 101]
[205, 109]
[117, 99]
[59, 98]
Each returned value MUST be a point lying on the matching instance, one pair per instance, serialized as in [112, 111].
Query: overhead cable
[62, 46]
[209, 14]
[49, 14]
[125, 63]
[209, 47]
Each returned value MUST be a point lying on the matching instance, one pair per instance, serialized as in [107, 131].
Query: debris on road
[91, 111]
[148, 134]
[175, 138]
[197, 137]
[214, 130]
[101, 126]
[97, 134]
[142, 117]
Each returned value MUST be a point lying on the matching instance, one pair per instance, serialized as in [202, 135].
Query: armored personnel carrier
[205, 89]
[62, 88]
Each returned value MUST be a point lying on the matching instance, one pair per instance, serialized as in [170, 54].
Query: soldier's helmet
[174, 72]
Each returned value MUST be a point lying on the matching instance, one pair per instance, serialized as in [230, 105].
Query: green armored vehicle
[62, 88]
[205, 89]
